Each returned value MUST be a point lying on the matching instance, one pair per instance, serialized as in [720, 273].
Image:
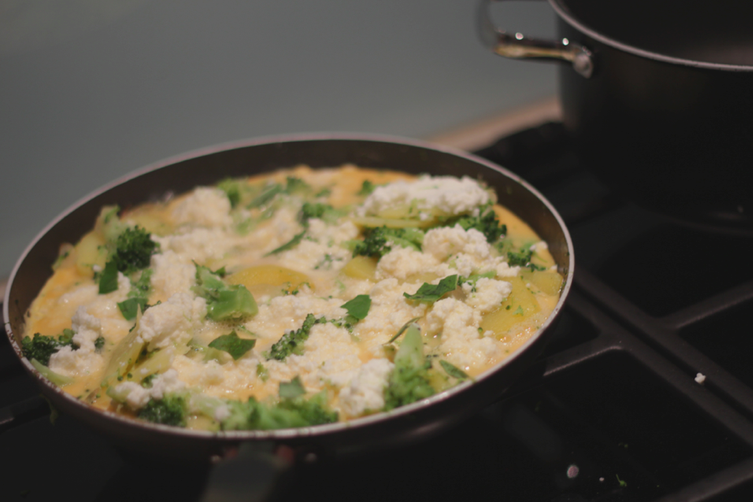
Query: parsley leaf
[429, 293]
[108, 279]
[288, 245]
[232, 344]
[292, 389]
[453, 370]
[358, 307]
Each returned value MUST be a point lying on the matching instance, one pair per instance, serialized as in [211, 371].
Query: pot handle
[517, 46]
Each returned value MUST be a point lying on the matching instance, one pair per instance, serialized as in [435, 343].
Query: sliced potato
[548, 282]
[90, 251]
[518, 306]
[361, 267]
[269, 279]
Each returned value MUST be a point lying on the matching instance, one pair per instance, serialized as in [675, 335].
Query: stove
[645, 392]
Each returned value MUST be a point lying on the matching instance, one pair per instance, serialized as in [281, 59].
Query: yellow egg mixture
[293, 298]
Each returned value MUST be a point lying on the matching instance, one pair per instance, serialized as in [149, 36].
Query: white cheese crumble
[700, 378]
[136, 396]
[172, 274]
[172, 322]
[204, 207]
[365, 392]
[84, 359]
[449, 195]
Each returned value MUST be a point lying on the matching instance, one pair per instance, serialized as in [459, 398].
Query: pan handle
[517, 46]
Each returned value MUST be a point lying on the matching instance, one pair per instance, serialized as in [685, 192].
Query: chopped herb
[402, 330]
[519, 311]
[288, 245]
[130, 307]
[233, 344]
[620, 481]
[453, 370]
[99, 343]
[430, 293]
[358, 307]
[108, 278]
[292, 389]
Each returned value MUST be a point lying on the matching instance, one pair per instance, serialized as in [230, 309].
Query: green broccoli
[292, 410]
[486, 222]
[129, 248]
[133, 250]
[380, 241]
[170, 410]
[409, 381]
[224, 302]
[319, 211]
[292, 341]
[42, 347]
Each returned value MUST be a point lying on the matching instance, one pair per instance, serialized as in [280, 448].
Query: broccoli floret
[379, 241]
[292, 341]
[42, 347]
[134, 248]
[170, 410]
[409, 381]
[319, 211]
[130, 248]
[224, 302]
[486, 222]
[291, 411]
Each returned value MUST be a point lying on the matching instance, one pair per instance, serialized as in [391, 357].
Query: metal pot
[656, 96]
[209, 166]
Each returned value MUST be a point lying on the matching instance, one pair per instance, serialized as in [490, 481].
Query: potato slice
[548, 282]
[269, 279]
[90, 251]
[520, 305]
[361, 267]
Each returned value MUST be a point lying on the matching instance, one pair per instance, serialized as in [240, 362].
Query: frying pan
[208, 166]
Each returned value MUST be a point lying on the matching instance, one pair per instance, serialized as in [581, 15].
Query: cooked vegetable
[42, 347]
[410, 379]
[485, 222]
[430, 293]
[224, 302]
[170, 410]
[380, 241]
[232, 344]
[292, 341]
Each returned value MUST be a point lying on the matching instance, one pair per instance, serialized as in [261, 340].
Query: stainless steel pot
[656, 96]
[246, 158]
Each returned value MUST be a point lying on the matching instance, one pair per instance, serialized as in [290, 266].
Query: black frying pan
[208, 166]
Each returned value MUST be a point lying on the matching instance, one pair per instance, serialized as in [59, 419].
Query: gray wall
[93, 89]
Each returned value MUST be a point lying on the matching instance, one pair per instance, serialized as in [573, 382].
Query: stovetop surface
[616, 409]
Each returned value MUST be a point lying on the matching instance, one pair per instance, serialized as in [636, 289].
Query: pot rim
[564, 13]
